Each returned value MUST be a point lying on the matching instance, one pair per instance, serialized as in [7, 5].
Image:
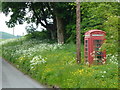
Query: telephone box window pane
[98, 45]
[86, 49]
[97, 41]
[96, 49]
[99, 57]
[86, 43]
[86, 58]
[86, 53]
[99, 53]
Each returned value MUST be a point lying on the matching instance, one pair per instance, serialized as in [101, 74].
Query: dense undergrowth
[54, 64]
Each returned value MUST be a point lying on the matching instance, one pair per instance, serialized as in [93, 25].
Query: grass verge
[55, 64]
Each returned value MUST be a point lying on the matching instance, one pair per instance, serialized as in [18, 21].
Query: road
[0, 74]
[13, 78]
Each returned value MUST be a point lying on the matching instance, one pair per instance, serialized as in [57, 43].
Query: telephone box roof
[95, 30]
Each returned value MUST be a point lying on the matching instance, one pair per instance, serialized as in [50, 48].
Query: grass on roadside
[55, 65]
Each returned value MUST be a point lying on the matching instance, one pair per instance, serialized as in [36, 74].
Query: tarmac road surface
[0, 73]
[13, 78]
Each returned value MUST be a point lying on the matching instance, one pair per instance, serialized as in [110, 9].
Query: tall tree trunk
[59, 24]
[60, 30]
[52, 29]
[78, 39]
[53, 36]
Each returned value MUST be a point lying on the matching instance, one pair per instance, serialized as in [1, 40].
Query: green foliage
[70, 33]
[30, 29]
[18, 16]
[111, 28]
[55, 64]
[37, 35]
[34, 34]
[93, 15]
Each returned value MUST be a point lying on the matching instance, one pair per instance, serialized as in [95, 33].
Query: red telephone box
[92, 42]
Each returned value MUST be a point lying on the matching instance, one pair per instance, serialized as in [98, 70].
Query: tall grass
[55, 64]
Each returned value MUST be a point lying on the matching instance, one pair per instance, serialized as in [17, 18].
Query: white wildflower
[104, 71]
[103, 76]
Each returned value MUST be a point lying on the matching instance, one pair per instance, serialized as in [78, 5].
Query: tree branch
[36, 15]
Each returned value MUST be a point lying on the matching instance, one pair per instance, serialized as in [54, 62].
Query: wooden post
[78, 40]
